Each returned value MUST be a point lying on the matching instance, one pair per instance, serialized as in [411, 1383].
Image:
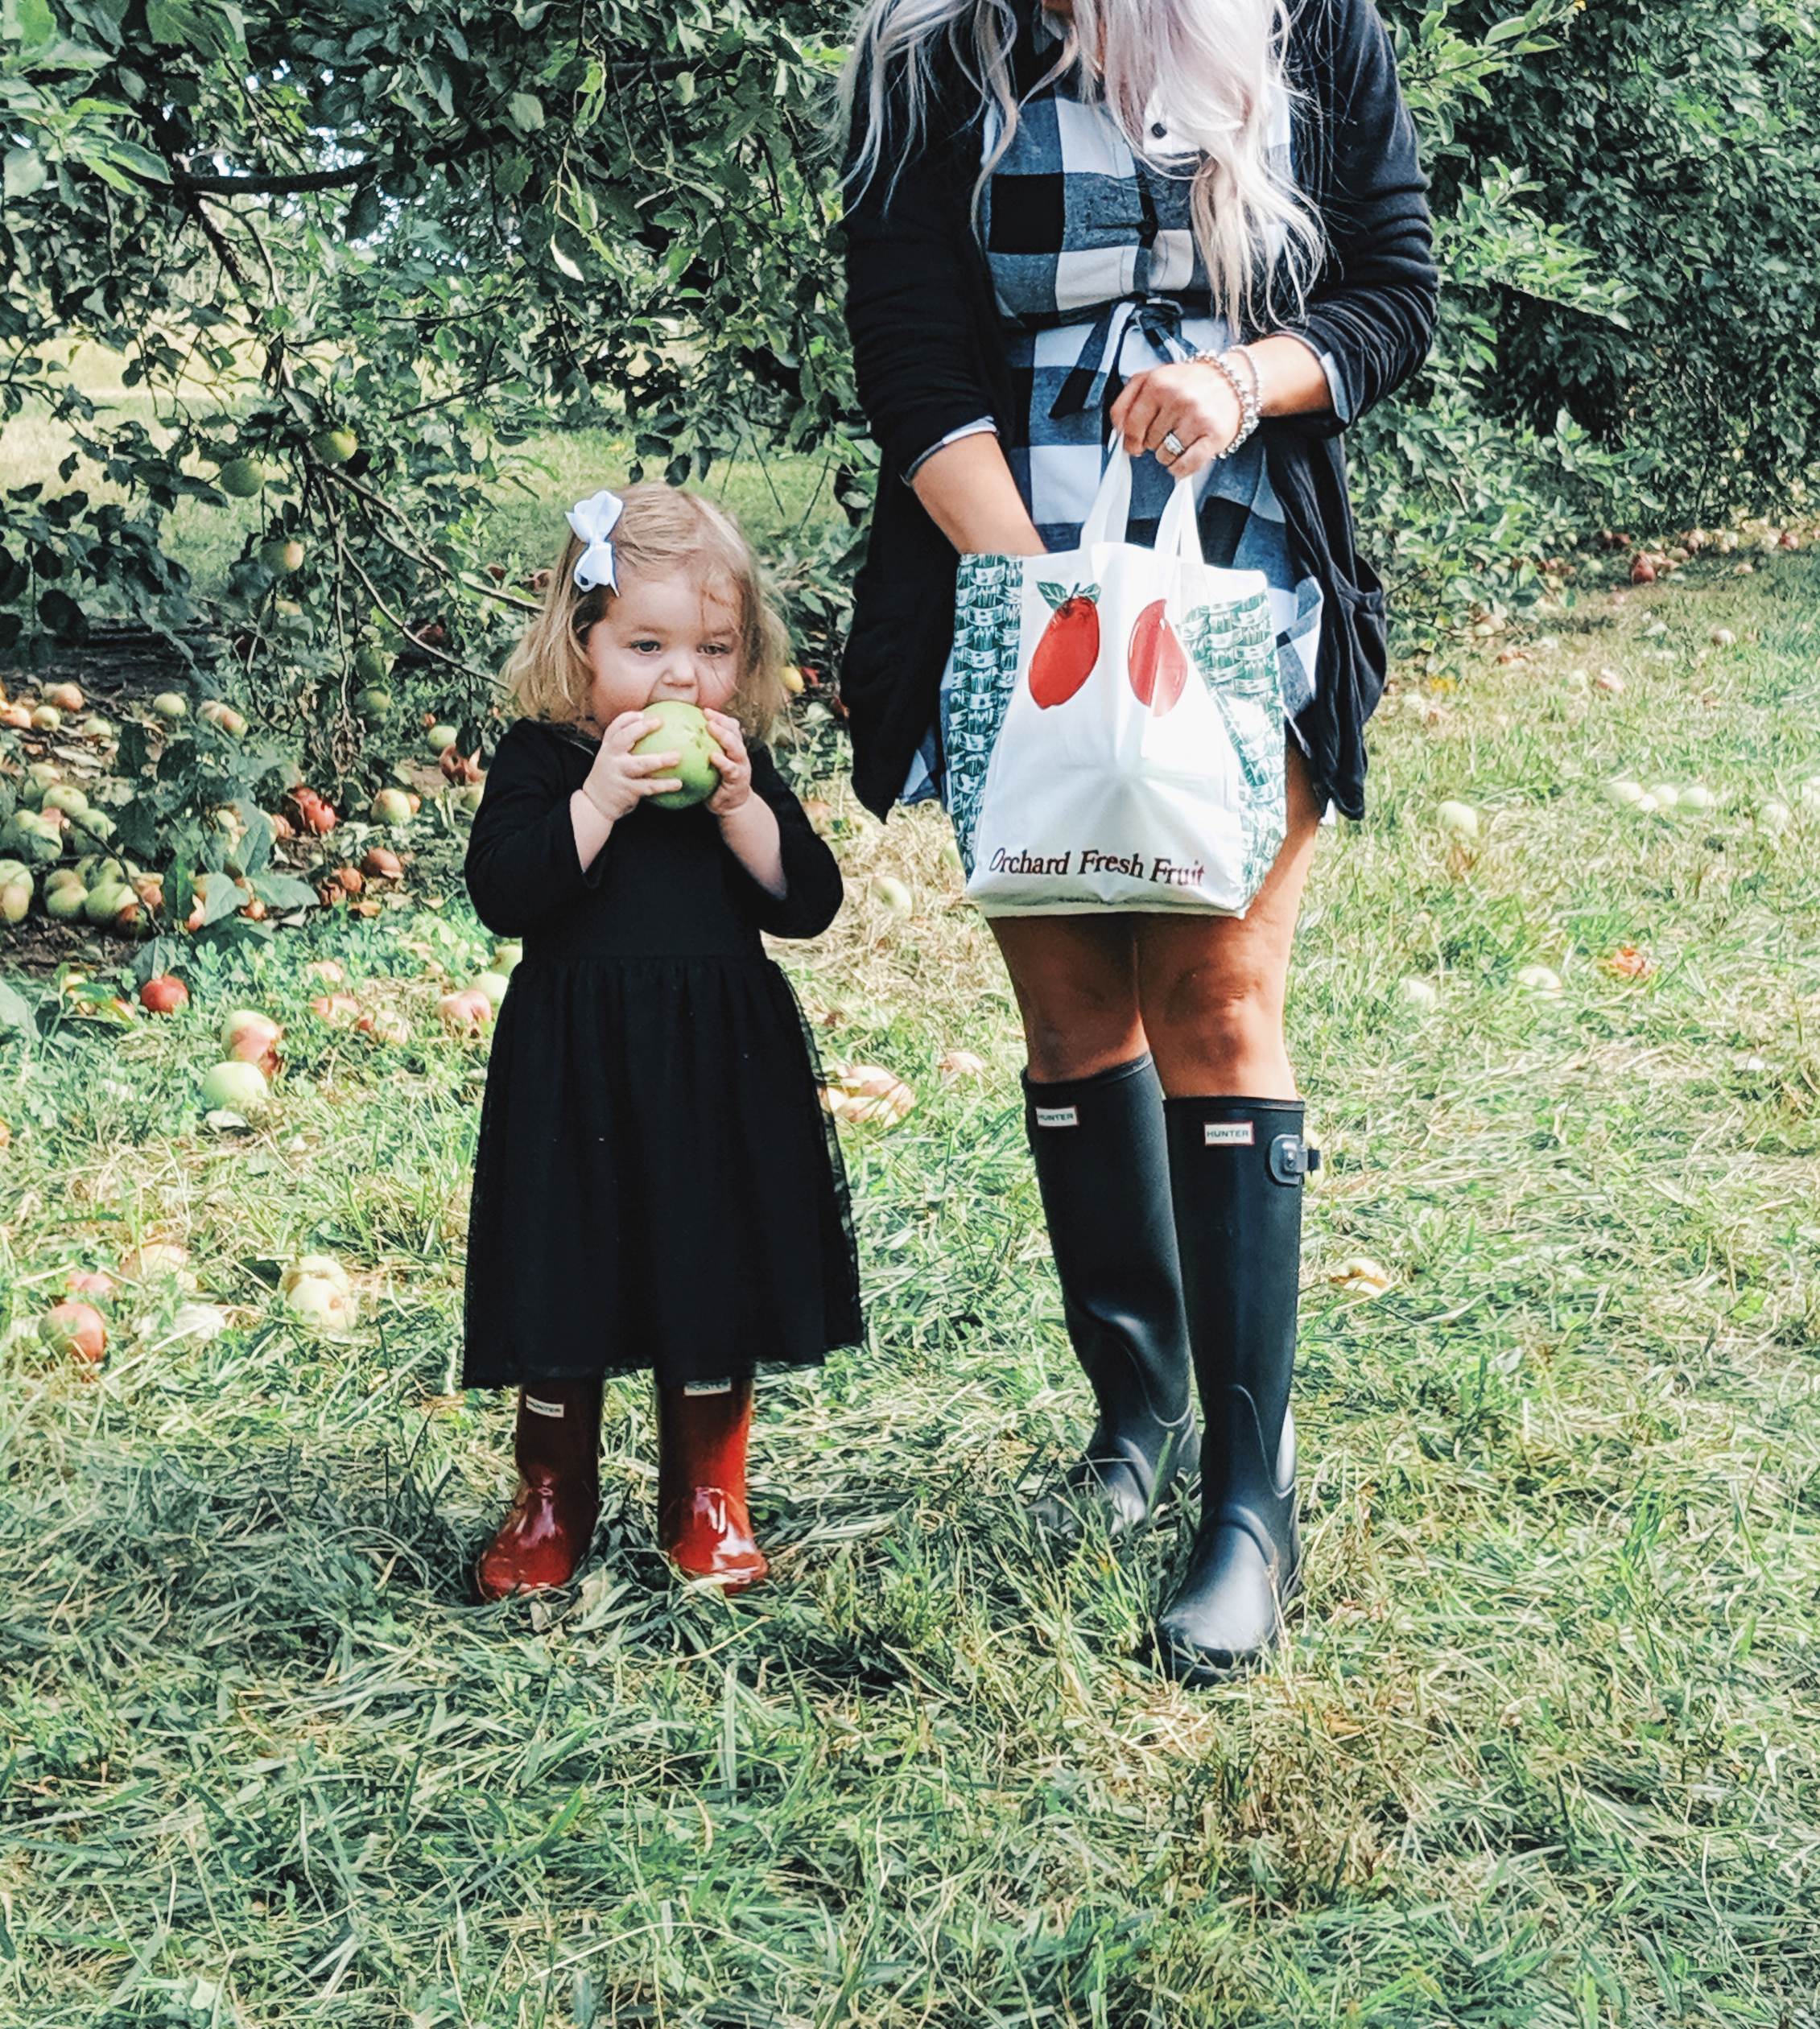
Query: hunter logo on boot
[1057, 1116]
[1229, 1134]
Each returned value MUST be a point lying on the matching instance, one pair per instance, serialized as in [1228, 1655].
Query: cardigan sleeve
[1370, 316]
[909, 253]
[521, 863]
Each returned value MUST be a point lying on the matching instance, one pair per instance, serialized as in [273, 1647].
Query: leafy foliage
[349, 256]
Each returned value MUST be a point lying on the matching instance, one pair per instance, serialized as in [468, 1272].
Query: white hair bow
[594, 520]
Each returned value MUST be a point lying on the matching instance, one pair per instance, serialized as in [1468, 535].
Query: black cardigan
[930, 358]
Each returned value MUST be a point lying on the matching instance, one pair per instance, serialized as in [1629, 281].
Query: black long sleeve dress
[657, 1186]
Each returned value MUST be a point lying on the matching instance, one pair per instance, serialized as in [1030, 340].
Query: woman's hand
[620, 780]
[733, 762]
[1191, 400]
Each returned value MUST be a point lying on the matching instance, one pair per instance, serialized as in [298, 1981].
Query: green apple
[507, 958]
[171, 705]
[15, 897]
[391, 806]
[440, 736]
[1459, 818]
[241, 477]
[66, 900]
[374, 701]
[282, 555]
[372, 665]
[67, 797]
[335, 447]
[891, 893]
[235, 1087]
[683, 731]
[492, 985]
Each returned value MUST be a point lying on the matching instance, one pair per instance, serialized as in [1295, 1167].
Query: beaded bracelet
[1247, 391]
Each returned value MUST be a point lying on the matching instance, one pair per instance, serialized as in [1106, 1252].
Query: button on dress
[657, 1186]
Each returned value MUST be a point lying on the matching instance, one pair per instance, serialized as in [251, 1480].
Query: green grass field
[1540, 1749]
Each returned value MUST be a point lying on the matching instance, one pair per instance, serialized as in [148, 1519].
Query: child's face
[663, 637]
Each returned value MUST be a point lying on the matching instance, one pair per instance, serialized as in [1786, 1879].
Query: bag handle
[1111, 509]
[1178, 533]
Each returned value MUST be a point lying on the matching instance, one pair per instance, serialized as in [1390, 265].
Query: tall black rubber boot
[1237, 1167]
[1101, 1162]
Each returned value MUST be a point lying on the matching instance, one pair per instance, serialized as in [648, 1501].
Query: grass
[1541, 1751]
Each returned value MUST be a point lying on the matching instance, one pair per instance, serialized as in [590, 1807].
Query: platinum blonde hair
[1210, 71]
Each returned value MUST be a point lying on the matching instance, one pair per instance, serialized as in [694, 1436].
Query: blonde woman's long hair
[661, 533]
[1210, 71]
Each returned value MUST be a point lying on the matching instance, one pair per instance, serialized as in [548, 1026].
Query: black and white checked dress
[1093, 256]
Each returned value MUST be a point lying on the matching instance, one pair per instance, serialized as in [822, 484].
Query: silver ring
[1173, 444]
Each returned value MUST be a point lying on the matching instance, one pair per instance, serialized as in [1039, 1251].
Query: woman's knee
[1220, 1015]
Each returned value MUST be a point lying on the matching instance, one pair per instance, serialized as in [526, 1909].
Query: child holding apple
[657, 1186]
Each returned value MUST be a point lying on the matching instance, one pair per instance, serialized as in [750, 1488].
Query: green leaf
[15, 1011]
[221, 897]
[25, 173]
[283, 891]
[525, 110]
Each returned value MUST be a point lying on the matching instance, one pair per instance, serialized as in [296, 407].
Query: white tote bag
[1114, 724]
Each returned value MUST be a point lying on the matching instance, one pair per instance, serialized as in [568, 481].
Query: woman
[1059, 220]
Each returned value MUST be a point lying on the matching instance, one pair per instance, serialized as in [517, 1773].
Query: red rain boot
[552, 1522]
[702, 1525]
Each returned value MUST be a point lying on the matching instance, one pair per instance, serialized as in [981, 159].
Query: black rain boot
[1102, 1163]
[1236, 1168]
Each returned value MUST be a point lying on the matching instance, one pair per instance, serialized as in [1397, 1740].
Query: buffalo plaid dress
[1091, 251]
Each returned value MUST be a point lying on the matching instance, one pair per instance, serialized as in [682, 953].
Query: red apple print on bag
[1070, 646]
[1159, 667]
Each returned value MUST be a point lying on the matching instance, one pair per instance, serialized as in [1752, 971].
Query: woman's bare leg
[1076, 978]
[1211, 988]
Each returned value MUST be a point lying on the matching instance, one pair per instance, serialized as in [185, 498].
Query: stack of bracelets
[1243, 384]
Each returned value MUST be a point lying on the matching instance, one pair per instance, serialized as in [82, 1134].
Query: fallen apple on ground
[955, 1065]
[468, 1010]
[156, 1261]
[250, 1037]
[1461, 819]
[162, 994]
[235, 1087]
[77, 1329]
[868, 1092]
[391, 806]
[891, 893]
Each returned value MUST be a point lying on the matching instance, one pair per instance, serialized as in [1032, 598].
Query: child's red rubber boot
[702, 1525]
[550, 1524]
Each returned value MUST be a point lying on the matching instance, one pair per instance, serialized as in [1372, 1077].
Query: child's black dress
[658, 1185]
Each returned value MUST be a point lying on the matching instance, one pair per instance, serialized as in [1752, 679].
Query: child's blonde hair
[660, 531]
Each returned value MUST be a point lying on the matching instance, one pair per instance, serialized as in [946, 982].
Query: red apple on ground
[250, 1037]
[75, 1328]
[163, 995]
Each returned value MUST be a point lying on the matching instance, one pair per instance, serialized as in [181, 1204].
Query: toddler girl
[657, 1184]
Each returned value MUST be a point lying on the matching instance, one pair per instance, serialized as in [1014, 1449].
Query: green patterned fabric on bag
[987, 620]
[1236, 652]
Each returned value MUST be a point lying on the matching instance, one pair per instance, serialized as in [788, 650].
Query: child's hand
[621, 780]
[733, 762]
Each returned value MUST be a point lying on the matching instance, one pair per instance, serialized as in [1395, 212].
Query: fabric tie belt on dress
[1158, 318]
